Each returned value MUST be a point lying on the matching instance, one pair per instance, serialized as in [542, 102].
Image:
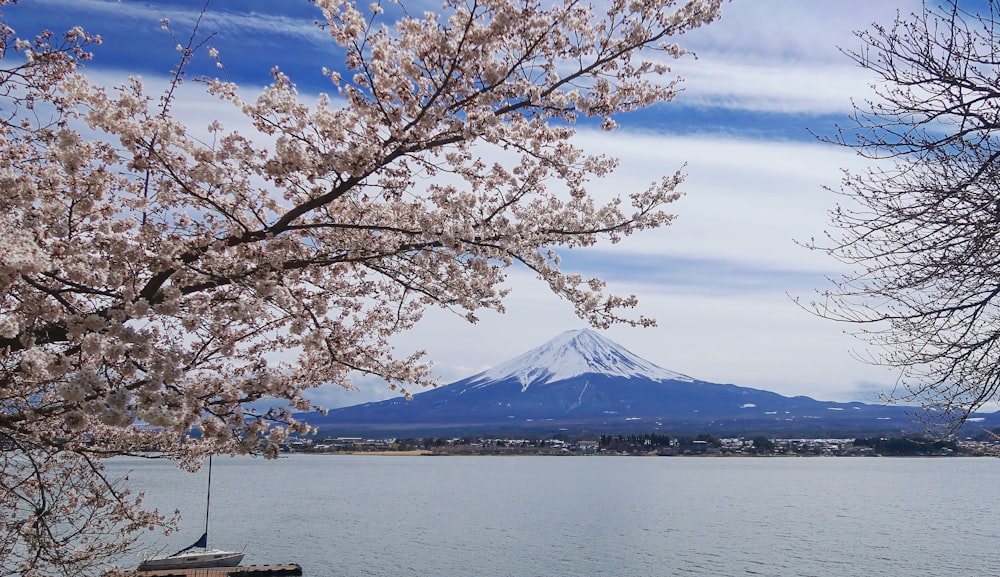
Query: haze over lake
[396, 516]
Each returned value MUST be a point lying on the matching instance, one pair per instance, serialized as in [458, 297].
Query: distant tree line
[905, 446]
[762, 445]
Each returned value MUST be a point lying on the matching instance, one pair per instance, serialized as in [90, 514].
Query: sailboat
[197, 555]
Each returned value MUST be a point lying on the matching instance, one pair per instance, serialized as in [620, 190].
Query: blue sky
[720, 280]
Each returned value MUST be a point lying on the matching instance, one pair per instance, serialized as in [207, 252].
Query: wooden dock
[287, 570]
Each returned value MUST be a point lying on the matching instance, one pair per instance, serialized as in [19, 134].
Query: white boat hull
[193, 560]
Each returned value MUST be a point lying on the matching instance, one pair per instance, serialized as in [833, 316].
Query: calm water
[389, 516]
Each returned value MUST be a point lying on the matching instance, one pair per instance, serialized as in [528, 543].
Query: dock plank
[284, 570]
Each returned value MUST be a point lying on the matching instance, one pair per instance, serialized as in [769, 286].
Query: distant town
[646, 445]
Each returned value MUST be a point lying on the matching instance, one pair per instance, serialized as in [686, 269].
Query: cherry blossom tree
[920, 229]
[158, 279]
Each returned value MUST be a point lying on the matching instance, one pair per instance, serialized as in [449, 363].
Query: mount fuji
[573, 354]
[581, 381]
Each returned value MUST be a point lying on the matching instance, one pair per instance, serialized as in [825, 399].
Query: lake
[396, 516]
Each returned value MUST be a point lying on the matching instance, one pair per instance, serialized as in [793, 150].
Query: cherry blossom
[151, 273]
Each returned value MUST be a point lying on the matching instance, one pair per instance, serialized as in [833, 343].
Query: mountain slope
[582, 381]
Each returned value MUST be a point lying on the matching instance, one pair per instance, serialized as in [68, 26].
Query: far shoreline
[423, 453]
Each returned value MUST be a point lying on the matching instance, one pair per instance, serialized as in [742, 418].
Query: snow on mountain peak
[574, 353]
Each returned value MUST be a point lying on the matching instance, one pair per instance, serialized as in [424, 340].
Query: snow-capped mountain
[572, 354]
[581, 381]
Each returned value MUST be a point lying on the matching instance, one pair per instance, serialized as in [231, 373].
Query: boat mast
[208, 499]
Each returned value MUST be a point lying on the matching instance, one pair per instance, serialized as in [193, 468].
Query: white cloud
[217, 18]
[782, 56]
[746, 201]
[782, 89]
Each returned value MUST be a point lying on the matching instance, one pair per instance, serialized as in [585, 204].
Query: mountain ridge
[582, 381]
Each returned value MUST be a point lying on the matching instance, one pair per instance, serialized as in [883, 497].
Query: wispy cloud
[783, 56]
[253, 26]
[787, 88]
